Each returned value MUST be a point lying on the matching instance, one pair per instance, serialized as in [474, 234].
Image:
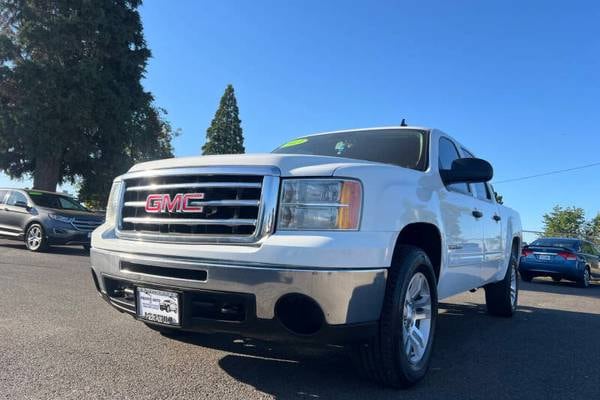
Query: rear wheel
[585, 278]
[556, 279]
[399, 355]
[86, 247]
[35, 238]
[501, 297]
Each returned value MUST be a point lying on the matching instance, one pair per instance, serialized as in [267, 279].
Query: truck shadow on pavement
[539, 354]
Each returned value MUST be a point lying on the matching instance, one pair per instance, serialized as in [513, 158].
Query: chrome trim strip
[223, 203]
[338, 205]
[252, 185]
[215, 170]
[189, 221]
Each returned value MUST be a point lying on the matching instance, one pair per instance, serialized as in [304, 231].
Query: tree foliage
[592, 228]
[224, 136]
[72, 107]
[569, 221]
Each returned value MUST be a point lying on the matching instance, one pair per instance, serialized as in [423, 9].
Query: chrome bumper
[346, 296]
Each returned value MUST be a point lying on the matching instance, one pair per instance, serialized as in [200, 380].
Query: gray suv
[44, 218]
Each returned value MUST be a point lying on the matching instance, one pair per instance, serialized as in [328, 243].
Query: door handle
[477, 214]
[497, 218]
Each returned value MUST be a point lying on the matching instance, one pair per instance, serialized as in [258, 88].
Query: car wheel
[585, 278]
[526, 277]
[501, 298]
[35, 238]
[399, 355]
[556, 279]
[86, 247]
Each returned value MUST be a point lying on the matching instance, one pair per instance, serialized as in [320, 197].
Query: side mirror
[21, 204]
[468, 170]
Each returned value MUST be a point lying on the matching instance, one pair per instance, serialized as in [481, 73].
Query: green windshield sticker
[294, 142]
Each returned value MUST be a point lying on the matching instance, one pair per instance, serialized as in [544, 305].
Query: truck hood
[288, 164]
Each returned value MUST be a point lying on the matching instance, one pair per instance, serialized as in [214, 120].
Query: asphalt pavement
[59, 340]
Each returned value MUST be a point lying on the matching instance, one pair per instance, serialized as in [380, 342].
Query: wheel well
[426, 237]
[516, 246]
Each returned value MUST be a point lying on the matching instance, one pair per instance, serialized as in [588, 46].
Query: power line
[558, 171]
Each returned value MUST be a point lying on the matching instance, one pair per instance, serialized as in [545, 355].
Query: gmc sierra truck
[347, 237]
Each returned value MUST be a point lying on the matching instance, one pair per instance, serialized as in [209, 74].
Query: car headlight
[113, 202]
[319, 204]
[61, 218]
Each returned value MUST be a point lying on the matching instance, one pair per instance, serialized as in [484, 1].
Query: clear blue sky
[518, 82]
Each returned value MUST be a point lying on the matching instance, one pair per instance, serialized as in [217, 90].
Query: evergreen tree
[568, 221]
[72, 107]
[224, 136]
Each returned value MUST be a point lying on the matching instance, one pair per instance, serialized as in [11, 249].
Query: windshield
[55, 201]
[564, 243]
[403, 147]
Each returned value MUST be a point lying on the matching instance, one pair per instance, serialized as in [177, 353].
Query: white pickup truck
[347, 237]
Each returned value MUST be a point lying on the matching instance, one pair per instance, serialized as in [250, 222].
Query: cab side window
[447, 154]
[2, 195]
[16, 197]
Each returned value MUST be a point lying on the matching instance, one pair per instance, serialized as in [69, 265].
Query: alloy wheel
[416, 321]
[34, 237]
[513, 286]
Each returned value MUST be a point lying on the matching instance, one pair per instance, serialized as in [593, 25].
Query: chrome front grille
[86, 225]
[233, 205]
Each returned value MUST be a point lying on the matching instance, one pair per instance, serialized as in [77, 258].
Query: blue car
[561, 258]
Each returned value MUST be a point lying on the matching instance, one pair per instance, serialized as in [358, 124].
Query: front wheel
[35, 238]
[399, 355]
[501, 297]
[86, 247]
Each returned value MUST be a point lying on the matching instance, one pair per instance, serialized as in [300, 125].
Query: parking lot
[59, 340]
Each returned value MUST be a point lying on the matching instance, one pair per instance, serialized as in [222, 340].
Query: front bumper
[350, 299]
[61, 235]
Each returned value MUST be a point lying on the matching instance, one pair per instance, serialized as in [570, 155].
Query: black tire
[39, 244]
[526, 277]
[585, 279]
[384, 358]
[86, 247]
[498, 297]
[556, 279]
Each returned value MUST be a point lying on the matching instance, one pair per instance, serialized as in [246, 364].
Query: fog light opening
[299, 314]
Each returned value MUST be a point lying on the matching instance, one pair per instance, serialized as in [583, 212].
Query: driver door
[463, 228]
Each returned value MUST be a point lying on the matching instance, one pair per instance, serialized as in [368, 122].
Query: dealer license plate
[158, 306]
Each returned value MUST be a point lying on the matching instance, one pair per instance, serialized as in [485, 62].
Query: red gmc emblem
[180, 203]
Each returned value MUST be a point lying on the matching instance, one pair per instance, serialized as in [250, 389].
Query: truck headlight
[113, 202]
[319, 204]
